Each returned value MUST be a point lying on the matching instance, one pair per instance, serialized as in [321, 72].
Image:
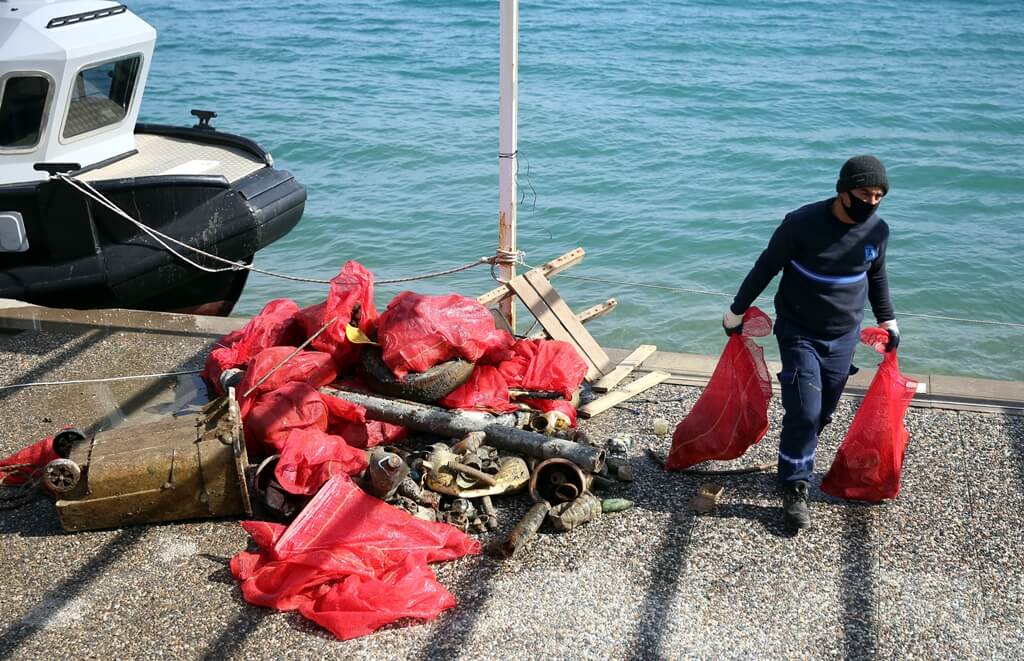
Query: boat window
[101, 96]
[21, 111]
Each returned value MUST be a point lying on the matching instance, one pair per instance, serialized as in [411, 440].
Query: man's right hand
[732, 323]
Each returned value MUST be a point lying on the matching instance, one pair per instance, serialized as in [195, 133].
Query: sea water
[668, 139]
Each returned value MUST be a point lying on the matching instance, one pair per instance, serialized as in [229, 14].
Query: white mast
[508, 145]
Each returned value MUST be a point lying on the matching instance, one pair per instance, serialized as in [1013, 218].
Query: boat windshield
[101, 96]
[21, 111]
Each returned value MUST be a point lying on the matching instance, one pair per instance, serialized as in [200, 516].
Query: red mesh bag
[870, 458]
[341, 410]
[549, 365]
[17, 469]
[273, 326]
[274, 414]
[310, 457]
[417, 332]
[485, 390]
[544, 365]
[349, 421]
[732, 412]
[368, 434]
[351, 287]
[313, 367]
[350, 562]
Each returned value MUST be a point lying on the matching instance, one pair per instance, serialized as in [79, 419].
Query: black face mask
[859, 210]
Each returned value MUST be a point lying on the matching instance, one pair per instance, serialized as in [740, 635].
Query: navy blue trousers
[814, 373]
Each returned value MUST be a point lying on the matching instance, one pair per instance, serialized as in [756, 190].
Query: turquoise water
[667, 139]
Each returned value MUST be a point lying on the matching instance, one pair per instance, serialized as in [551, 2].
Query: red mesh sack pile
[350, 562]
[869, 462]
[417, 332]
[732, 412]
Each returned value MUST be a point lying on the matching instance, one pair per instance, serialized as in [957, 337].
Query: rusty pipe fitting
[549, 423]
[558, 480]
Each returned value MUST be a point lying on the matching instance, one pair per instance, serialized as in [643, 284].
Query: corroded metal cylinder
[500, 430]
[558, 480]
[180, 468]
[566, 516]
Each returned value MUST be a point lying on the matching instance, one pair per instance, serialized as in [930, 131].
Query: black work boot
[794, 505]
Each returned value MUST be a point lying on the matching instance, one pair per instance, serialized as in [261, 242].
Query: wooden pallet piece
[591, 313]
[623, 369]
[556, 265]
[602, 404]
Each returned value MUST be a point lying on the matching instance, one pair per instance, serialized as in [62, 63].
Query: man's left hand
[894, 335]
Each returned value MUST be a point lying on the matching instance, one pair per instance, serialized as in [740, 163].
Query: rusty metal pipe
[490, 512]
[566, 516]
[557, 480]
[524, 530]
[567, 491]
[501, 430]
[469, 471]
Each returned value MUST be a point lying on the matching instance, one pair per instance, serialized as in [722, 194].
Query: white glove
[894, 334]
[732, 323]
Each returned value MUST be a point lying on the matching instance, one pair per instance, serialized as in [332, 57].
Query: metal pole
[455, 423]
[508, 146]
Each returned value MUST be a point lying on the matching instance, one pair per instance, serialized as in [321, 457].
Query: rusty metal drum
[189, 467]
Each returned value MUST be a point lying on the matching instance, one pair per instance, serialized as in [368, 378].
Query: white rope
[506, 257]
[103, 380]
[517, 257]
[162, 239]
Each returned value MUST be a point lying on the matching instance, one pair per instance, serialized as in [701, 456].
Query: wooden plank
[628, 364]
[618, 396]
[556, 265]
[593, 312]
[565, 316]
[539, 309]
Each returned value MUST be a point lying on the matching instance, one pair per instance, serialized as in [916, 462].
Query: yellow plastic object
[356, 336]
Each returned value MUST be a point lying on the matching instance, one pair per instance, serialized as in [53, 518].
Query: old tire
[425, 387]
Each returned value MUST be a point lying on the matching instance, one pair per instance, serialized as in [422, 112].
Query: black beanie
[862, 172]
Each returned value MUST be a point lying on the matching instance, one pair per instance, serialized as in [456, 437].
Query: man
[832, 257]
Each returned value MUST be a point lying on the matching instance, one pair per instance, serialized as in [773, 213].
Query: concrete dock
[937, 573]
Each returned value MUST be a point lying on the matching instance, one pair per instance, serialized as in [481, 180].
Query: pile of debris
[364, 446]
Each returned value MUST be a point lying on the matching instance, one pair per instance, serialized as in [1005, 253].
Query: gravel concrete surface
[937, 573]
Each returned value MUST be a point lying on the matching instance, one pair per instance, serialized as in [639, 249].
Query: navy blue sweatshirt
[829, 271]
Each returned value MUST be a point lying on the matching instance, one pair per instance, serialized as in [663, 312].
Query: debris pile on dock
[365, 446]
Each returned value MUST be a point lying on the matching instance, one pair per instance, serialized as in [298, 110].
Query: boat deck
[937, 573]
[163, 155]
